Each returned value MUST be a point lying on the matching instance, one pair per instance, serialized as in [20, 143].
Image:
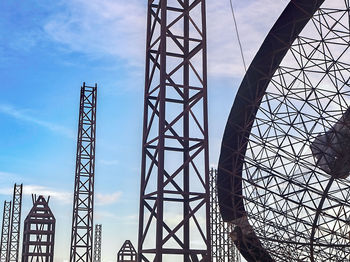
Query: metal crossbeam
[97, 245]
[5, 231]
[82, 223]
[174, 173]
[13, 246]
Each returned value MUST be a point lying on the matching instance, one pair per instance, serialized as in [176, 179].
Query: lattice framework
[13, 245]
[174, 179]
[39, 232]
[294, 200]
[5, 230]
[83, 204]
[222, 246]
[127, 253]
[98, 243]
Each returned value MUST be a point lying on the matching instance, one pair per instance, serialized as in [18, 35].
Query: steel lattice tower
[5, 232]
[39, 232]
[174, 178]
[82, 223]
[13, 245]
[222, 247]
[97, 245]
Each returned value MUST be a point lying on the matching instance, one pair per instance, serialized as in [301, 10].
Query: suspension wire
[237, 34]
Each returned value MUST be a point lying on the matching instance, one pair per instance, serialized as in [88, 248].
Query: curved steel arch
[248, 98]
[240, 122]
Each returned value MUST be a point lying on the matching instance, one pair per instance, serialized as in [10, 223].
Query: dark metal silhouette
[39, 232]
[175, 166]
[284, 165]
[222, 246]
[83, 204]
[127, 253]
[13, 246]
[97, 244]
[5, 231]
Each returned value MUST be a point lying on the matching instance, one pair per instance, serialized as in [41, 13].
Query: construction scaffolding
[98, 242]
[5, 232]
[175, 161]
[83, 204]
[222, 247]
[39, 232]
[13, 245]
[127, 253]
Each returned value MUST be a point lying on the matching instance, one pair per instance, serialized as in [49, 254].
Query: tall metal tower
[39, 232]
[222, 246]
[5, 231]
[13, 245]
[97, 245]
[82, 223]
[174, 173]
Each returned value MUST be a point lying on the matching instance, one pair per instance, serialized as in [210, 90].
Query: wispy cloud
[63, 196]
[254, 18]
[107, 199]
[101, 28]
[24, 116]
[117, 28]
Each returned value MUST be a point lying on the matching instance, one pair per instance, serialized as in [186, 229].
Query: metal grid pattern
[39, 232]
[98, 242]
[222, 247]
[82, 223]
[13, 246]
[127, 253]
[291, 172]
[5, 231]
[175, 180]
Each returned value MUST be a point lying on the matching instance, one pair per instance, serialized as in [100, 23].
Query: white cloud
[7, 176]
[63, 196]
[104, 28]
[107, 199]
[101, 28]
[23, 115]
[254, 20]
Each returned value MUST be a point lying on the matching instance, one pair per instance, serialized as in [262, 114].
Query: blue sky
[48, 48]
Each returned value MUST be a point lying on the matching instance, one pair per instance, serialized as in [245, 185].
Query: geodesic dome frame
[284, 165]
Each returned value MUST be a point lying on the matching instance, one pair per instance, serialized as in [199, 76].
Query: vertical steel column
[223, 248]
[97, 245]
[5, 231]
[13, 246]
[83, 204]
[174, 171]
[39, 232]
